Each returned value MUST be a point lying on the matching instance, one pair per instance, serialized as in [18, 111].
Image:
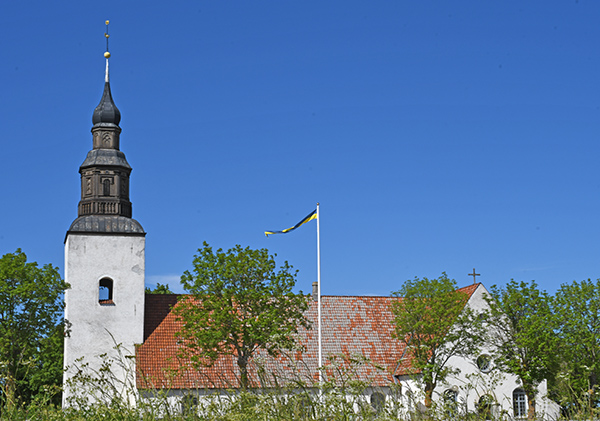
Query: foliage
[31, 330]
[577, 320]
[297, 401]
[239, 304]
[159, 289]
[275, 405]
[344, 397]
[435, 324]
[523, 335]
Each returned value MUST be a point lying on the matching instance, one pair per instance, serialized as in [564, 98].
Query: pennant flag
[309, 217]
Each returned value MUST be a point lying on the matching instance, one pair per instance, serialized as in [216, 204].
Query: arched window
[105, 291]
[484, 407]
[189, 405]
[519, 403]
[106, 186]
[451, 401]
[377, 401]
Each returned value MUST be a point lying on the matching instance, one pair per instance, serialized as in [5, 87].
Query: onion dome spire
[106, 113]
[105, 207]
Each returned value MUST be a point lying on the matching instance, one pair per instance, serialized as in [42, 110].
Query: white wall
[96, 329]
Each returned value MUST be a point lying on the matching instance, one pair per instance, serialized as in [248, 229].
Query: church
[111, 319]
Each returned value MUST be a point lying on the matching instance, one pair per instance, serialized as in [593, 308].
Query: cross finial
[474, 275]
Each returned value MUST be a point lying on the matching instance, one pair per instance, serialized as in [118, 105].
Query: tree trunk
[243, 366]
[10, 392]
[530, 403]
[593, 380]
[429, 394]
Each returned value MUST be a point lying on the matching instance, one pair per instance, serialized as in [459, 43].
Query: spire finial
[107, 53]
[106, 113]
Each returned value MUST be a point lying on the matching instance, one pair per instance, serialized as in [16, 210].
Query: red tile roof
[352, 326]
[156, 308]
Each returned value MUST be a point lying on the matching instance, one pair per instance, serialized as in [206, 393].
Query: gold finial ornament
[107, 22]
[106, 54]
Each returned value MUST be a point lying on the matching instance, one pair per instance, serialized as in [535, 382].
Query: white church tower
[104, 260]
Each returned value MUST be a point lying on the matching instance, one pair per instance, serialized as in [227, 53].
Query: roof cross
[474, 275]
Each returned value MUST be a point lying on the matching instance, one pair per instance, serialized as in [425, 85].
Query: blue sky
[437, 136]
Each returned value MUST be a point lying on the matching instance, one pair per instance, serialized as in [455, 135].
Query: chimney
[315, 291]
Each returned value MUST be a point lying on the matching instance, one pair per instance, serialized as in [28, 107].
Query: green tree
[239, 303]
[523, 336]
[31, 332]
[159, 289]
[576, 308]
[434, 322]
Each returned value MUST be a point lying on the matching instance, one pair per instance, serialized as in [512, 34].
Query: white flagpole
[319, 295]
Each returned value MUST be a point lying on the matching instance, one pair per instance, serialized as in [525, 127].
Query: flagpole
[319, 295]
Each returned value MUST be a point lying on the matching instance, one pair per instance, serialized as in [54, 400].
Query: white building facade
[480, 387]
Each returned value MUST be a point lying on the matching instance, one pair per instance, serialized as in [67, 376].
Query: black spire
[106, 113]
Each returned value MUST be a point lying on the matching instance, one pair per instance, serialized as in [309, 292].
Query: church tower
[104, 258]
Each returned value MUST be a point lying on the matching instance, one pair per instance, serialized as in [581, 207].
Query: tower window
[105, 291]
[106, 186]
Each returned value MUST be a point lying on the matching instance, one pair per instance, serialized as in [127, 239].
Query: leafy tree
[523, 335]
[160, 289]
[31, 333]
[239, 303]
[577, 312]
[435, 324]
